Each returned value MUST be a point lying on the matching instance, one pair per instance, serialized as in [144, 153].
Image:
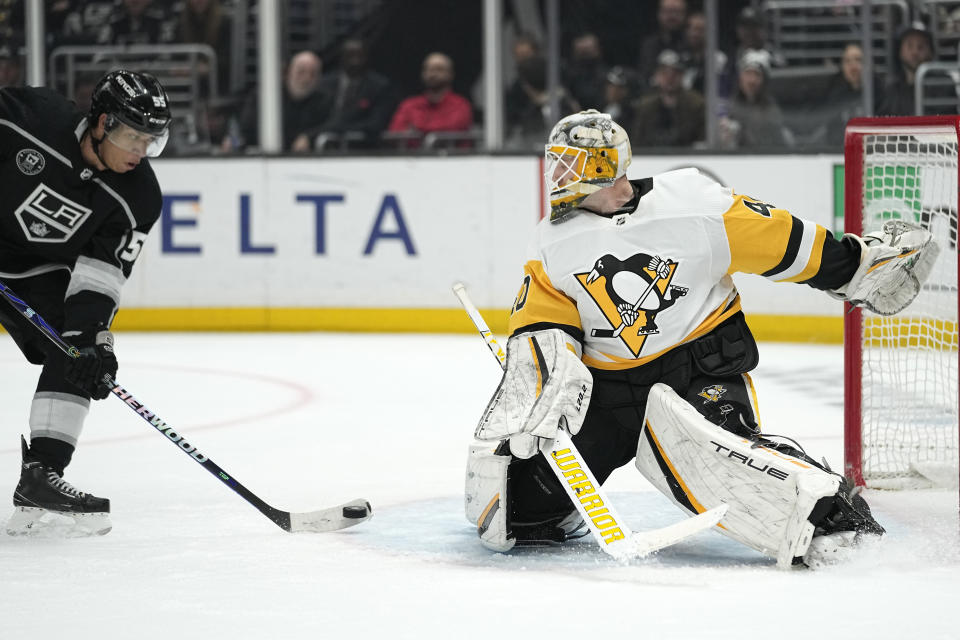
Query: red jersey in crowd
[451, 113]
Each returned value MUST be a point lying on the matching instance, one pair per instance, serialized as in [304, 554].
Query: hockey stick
[342, 516]
[615, 333]
[609, 530]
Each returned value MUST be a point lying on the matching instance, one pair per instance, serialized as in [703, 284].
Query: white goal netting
[909, 419]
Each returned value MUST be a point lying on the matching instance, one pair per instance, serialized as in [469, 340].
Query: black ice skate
[849, 524]
[45, 504]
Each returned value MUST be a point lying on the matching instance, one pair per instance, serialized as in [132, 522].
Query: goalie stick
[341, 516]
[609, 529]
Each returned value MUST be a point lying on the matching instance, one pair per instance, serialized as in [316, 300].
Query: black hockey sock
[52, 452]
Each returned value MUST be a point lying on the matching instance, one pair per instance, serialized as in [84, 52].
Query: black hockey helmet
[134, 99]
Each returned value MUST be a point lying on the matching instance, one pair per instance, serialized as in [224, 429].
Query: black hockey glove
[96, 360]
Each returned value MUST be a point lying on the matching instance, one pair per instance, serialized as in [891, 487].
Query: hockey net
[901, 386]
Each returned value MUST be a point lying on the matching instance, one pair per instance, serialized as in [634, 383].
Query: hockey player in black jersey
[77, 200]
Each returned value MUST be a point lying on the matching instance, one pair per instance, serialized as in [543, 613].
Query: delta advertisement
[377, 243]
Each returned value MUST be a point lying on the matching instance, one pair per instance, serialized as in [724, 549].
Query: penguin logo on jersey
[30, 162]
[713, 392]
[631, 293]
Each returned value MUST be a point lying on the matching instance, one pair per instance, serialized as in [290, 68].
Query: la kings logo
[631, 293]
[47, 216]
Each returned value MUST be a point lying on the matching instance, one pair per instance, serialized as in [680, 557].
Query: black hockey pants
[709, 373]
[45, 294]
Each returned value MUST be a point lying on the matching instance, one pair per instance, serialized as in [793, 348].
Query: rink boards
[374, 244]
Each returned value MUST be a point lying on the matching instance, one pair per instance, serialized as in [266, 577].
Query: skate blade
[41, 523]
[836, 548]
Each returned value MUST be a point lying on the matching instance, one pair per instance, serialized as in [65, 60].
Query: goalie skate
[49, 506]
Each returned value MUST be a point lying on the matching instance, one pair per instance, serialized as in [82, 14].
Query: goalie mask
[586, 152]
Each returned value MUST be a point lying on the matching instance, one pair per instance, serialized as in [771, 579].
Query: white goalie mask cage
[585, 152]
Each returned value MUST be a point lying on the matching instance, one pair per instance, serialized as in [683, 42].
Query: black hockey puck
[355, 512]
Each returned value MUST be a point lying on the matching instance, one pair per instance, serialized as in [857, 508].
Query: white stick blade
[643, 543]
[344, 516]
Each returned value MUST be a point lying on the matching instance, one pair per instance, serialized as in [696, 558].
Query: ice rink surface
[311, 420]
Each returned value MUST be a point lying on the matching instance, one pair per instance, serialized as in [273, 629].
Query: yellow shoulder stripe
[539, 301]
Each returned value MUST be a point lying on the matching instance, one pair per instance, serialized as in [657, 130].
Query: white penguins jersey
[638, 284]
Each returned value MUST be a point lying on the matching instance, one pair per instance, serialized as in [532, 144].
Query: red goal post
[901, 387]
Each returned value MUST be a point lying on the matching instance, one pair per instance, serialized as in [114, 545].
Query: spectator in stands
[205, 22]
[438, 108]
[673, 116]
[12, 20]
[357, 100]
[528, 106]
[54, 17]
[83, 89]
[671, 19]
[619, 92]
[79, 22]
[302, 108]
[755, 119]
[525, 46]
[752, 36]
[843, 96]
[11, 67]
[692, 54]
[585, 74]
[215, 123]
[137, 22]
[914, 47]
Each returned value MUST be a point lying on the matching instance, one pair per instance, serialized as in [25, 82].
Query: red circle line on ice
[302, 398]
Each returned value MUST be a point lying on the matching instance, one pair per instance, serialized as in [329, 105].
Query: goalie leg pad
[485, 497]
[492, 476]
[771, 495]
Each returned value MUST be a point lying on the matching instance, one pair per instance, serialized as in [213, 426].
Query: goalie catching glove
[543, 383]
[894, 264]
